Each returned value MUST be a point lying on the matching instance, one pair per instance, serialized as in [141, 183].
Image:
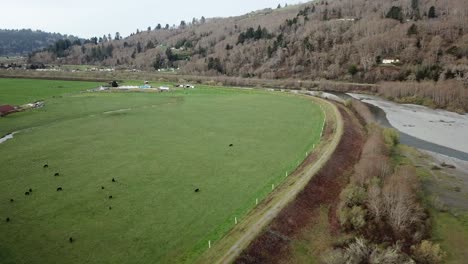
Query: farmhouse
[6, 109]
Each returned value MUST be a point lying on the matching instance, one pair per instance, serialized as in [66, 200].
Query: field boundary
[228, 248]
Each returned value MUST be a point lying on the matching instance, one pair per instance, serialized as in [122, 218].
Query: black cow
[231, 145]
[102, 188]
[59, 189]
[26, 193]
[11, 200]
[110, 197]
[30, 190]
[57, 174]
[70, 239]
[110, 207]
[7, 219]
[113, 180]
[197, 190]
[46, 166]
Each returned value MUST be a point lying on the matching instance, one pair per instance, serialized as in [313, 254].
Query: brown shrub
[402, 207]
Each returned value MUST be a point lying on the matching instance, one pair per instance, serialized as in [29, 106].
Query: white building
[390, 61]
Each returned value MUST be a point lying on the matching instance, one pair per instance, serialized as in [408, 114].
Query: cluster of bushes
[381, 207]
[362, 251]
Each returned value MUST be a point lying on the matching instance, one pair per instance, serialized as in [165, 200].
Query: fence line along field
[109, 177]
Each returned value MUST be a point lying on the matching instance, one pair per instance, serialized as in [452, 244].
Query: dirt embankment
[273, 245]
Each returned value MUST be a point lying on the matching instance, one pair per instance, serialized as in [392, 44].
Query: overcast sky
[87, 18]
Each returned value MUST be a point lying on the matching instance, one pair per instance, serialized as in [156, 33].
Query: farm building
[6, 109]
[164, 89]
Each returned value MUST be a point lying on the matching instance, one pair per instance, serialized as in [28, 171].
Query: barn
[6, 109]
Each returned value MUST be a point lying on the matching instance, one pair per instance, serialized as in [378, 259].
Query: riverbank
[437, 126]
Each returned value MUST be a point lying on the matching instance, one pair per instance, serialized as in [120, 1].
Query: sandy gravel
[438, 126]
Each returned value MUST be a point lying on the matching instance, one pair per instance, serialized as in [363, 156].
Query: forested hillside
[25, 41]
[338, 39]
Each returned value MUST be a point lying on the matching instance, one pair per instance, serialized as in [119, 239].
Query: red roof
[6, 109]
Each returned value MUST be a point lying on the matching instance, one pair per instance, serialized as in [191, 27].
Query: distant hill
[359, 40]
[24, 41]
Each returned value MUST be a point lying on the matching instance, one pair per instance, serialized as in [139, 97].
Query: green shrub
[427, 253]
[352, 218]
[348, 103]
[391, 137]
[353, 195]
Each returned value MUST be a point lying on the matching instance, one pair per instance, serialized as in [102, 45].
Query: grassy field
[22, 91]
[159, 148]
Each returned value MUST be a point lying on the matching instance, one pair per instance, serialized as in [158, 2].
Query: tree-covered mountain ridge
[19, 42]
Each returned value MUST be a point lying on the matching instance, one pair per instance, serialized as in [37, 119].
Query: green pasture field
[22, 91]
[159, 147]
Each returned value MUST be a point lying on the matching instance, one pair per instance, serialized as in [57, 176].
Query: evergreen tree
[395, 13]
[139, 47]
[117, 35]
[158, 27]
[412, 30]
[432, 12]
[150, 45]
[279, 6]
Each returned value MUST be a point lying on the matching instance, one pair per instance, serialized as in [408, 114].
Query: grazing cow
[197, 190]
[11, 200]
[110, 197]
[113, 180]
[110, 207]
[46, 166]
[30, 190]
[59, 189]
[57, 174]
[26, 193]
[231, 145]
[102, 188]
[70, 239]
[8, 219]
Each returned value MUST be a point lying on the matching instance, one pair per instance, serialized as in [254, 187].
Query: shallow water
[6, 137]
